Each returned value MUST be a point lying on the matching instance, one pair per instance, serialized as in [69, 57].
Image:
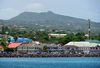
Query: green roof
[93, 41]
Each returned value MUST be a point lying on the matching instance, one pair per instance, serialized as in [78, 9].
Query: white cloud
[34, 7]
[8, 13]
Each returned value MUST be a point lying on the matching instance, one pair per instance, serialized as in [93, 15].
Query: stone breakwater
[48, 55]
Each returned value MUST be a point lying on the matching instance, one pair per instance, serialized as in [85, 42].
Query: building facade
[52, 48]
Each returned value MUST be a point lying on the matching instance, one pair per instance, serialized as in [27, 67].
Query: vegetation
[8, 49]
[50, 20]
[15, 38]
[42, 36]
[3, 42]
[44, 48]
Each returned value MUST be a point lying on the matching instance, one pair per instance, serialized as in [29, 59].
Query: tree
[60, 39]
[9, 40]
[8, 49]
[98, 37]
[80, 36]
[44, 48]
[15, 38]
[3, 42]
[4, 29]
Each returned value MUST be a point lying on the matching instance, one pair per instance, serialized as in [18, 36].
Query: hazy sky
[86, 9]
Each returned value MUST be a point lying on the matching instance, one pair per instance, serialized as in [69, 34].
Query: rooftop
[93, 41]
[30, 44]
[70, 46]
[14, 45]
[21, 40]
[1, 46]
[82, 44]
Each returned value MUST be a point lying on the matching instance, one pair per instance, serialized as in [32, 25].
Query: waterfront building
[33, 48]
[95, 50]
[30, 48]
[53, 48]
[84, 47]
[70, 49]
[14, 46]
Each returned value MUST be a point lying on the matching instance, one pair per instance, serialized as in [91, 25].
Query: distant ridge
[51, 20]
[31, 16]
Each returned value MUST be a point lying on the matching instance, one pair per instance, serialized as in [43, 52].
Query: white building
[57, 35]
[83, 47]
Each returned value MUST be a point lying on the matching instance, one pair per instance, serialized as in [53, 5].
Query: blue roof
[21, 40]
[93, 41]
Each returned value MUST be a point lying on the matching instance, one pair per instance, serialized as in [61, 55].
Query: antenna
[89, 29]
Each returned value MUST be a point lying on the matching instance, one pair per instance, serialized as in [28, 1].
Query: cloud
[8, 13]
[34, 7]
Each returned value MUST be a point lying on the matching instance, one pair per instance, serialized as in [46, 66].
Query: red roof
[30, 44]
[70, 46]
[14, 45]
[32, 33]
[1, 25]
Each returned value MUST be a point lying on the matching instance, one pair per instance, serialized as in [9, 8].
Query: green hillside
[50, 20]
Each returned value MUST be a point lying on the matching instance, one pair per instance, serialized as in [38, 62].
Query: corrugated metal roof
[70, 46]
[13, 45]
[93, 41]
[21, 40]
[82, 44]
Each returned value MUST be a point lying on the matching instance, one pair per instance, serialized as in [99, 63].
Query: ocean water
[69, 62]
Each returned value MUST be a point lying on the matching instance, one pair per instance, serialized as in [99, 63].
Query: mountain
[32, 16]
[50, 20]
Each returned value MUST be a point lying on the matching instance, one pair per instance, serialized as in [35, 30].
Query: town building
[14, 46]
[86, 47]
[95, 50]
[53, 48]
[5, 36]
[33, 48]
[30, 48]
[1, 48]
[83, 47]
[57, 35]
[20, 40]
[70, 49]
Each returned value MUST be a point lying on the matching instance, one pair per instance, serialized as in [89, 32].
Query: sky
[85, 9]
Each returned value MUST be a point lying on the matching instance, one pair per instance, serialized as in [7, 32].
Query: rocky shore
[48, 55]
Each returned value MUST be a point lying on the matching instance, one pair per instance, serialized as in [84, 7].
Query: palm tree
[15, 38]
[44, 48]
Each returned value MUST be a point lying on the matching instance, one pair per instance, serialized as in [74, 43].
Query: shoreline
[47, 55]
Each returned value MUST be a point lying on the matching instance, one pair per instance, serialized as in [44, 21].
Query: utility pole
[89, 29]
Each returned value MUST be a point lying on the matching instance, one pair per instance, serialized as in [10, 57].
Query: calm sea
[76, 62]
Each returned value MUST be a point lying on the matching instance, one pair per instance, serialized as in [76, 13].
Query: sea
[51, 62]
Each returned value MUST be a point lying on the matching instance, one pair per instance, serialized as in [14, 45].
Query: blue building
[20, 40]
